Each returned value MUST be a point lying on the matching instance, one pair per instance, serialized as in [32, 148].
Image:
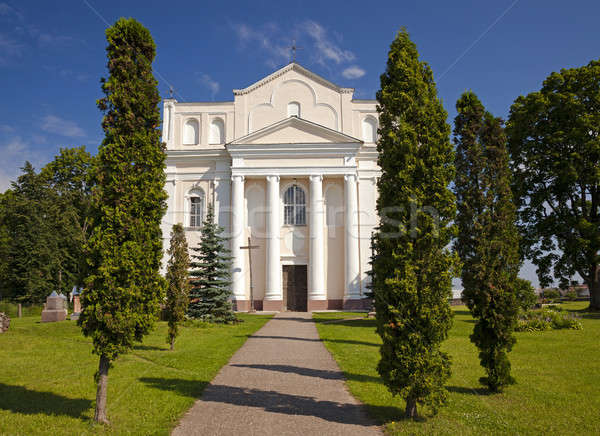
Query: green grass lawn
[47, 386]
[557, 372]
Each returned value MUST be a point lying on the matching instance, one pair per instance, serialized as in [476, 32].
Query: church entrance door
[295, 287]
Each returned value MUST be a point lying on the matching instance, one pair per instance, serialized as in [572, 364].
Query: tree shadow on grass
[469, 391]
[462, 312]
[584, 313]
[311, 372]
[149, 348]
[19, 399]
[271, 401]
[187, 388]
[362, 322]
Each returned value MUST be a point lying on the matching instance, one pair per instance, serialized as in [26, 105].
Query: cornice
[293, 67]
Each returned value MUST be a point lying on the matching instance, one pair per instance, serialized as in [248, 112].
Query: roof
[293, 66]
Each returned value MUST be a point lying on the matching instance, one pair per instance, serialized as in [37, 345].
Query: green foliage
[554, 139]
[525, 293]
[412, 266]
[178, 284]
[211, 277]
[551, 293]
[487, 241]
[41, 236]
[124, 288]
[549, 318]
[571, 295]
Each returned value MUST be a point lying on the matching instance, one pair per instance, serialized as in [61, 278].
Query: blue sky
[52, 54]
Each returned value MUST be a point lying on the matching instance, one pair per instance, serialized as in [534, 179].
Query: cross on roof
[293, 49]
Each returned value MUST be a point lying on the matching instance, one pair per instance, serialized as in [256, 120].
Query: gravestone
[76, 304]
[55, 308]
[4, 322]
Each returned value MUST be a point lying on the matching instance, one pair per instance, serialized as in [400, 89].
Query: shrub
[549, 318]
[551, 294]
[525, 294]
[571, 295]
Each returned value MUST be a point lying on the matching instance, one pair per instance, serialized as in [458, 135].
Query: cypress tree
[178, 284]
[124, 288]
[412, 266]
[210, 296]
[487, 242]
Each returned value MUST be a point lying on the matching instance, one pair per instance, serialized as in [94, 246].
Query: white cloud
[59, 126]
[212, 85]
[266, 38]
[326, 48]
[315, 42]
[9, 49]
[353, 72]
[15, 151]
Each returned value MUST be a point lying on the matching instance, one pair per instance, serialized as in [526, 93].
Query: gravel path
[281, 382]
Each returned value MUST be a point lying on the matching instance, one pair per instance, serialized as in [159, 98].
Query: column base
[315, 305]
[241, 305]
[244, 305]
[272, 305]
[357, 303]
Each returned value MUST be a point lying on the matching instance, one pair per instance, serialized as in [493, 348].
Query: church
[290, 166]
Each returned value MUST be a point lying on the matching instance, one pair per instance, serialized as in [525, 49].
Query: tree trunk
[411, 408]
[100, 415]
[594, 288]
[172, 343]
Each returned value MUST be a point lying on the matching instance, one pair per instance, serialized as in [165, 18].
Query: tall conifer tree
[412, 267]
[487, 242]
[211, 277]
[178, 282]
[122, 294]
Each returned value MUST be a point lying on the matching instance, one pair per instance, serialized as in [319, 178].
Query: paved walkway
[281, 382]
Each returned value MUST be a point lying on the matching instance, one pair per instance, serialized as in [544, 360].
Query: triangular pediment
[293, 66]
[294, 130]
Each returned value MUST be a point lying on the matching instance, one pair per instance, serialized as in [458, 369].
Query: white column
[273, 273]
[316, 214]
[237, 237]
[352, 270]
[167, 222]
[223, 204]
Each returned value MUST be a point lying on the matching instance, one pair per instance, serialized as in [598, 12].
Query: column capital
[273, 178]
[316, 177]
[239, 177]
[350, 177]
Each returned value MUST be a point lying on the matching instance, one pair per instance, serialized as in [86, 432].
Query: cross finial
[293, 48]
[171, 91]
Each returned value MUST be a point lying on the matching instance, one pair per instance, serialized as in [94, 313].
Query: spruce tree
[124, 288]
[412, 266]
[487, 241]
[178, 282]
[210, 296]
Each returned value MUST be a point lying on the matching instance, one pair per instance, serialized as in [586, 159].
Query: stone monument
[76, 304]
[55, 308]
[4, 322]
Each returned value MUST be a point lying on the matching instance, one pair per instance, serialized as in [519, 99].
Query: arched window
[217, 131]
[196, 209]
[369, 127]
[293, 109]
[190, 132]
[294, 206]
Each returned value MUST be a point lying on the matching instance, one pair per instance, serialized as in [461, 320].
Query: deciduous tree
[554, 141]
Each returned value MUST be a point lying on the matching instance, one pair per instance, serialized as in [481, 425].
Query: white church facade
[290, 166]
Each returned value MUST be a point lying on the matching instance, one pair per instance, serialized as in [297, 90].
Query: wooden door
[295, 287]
